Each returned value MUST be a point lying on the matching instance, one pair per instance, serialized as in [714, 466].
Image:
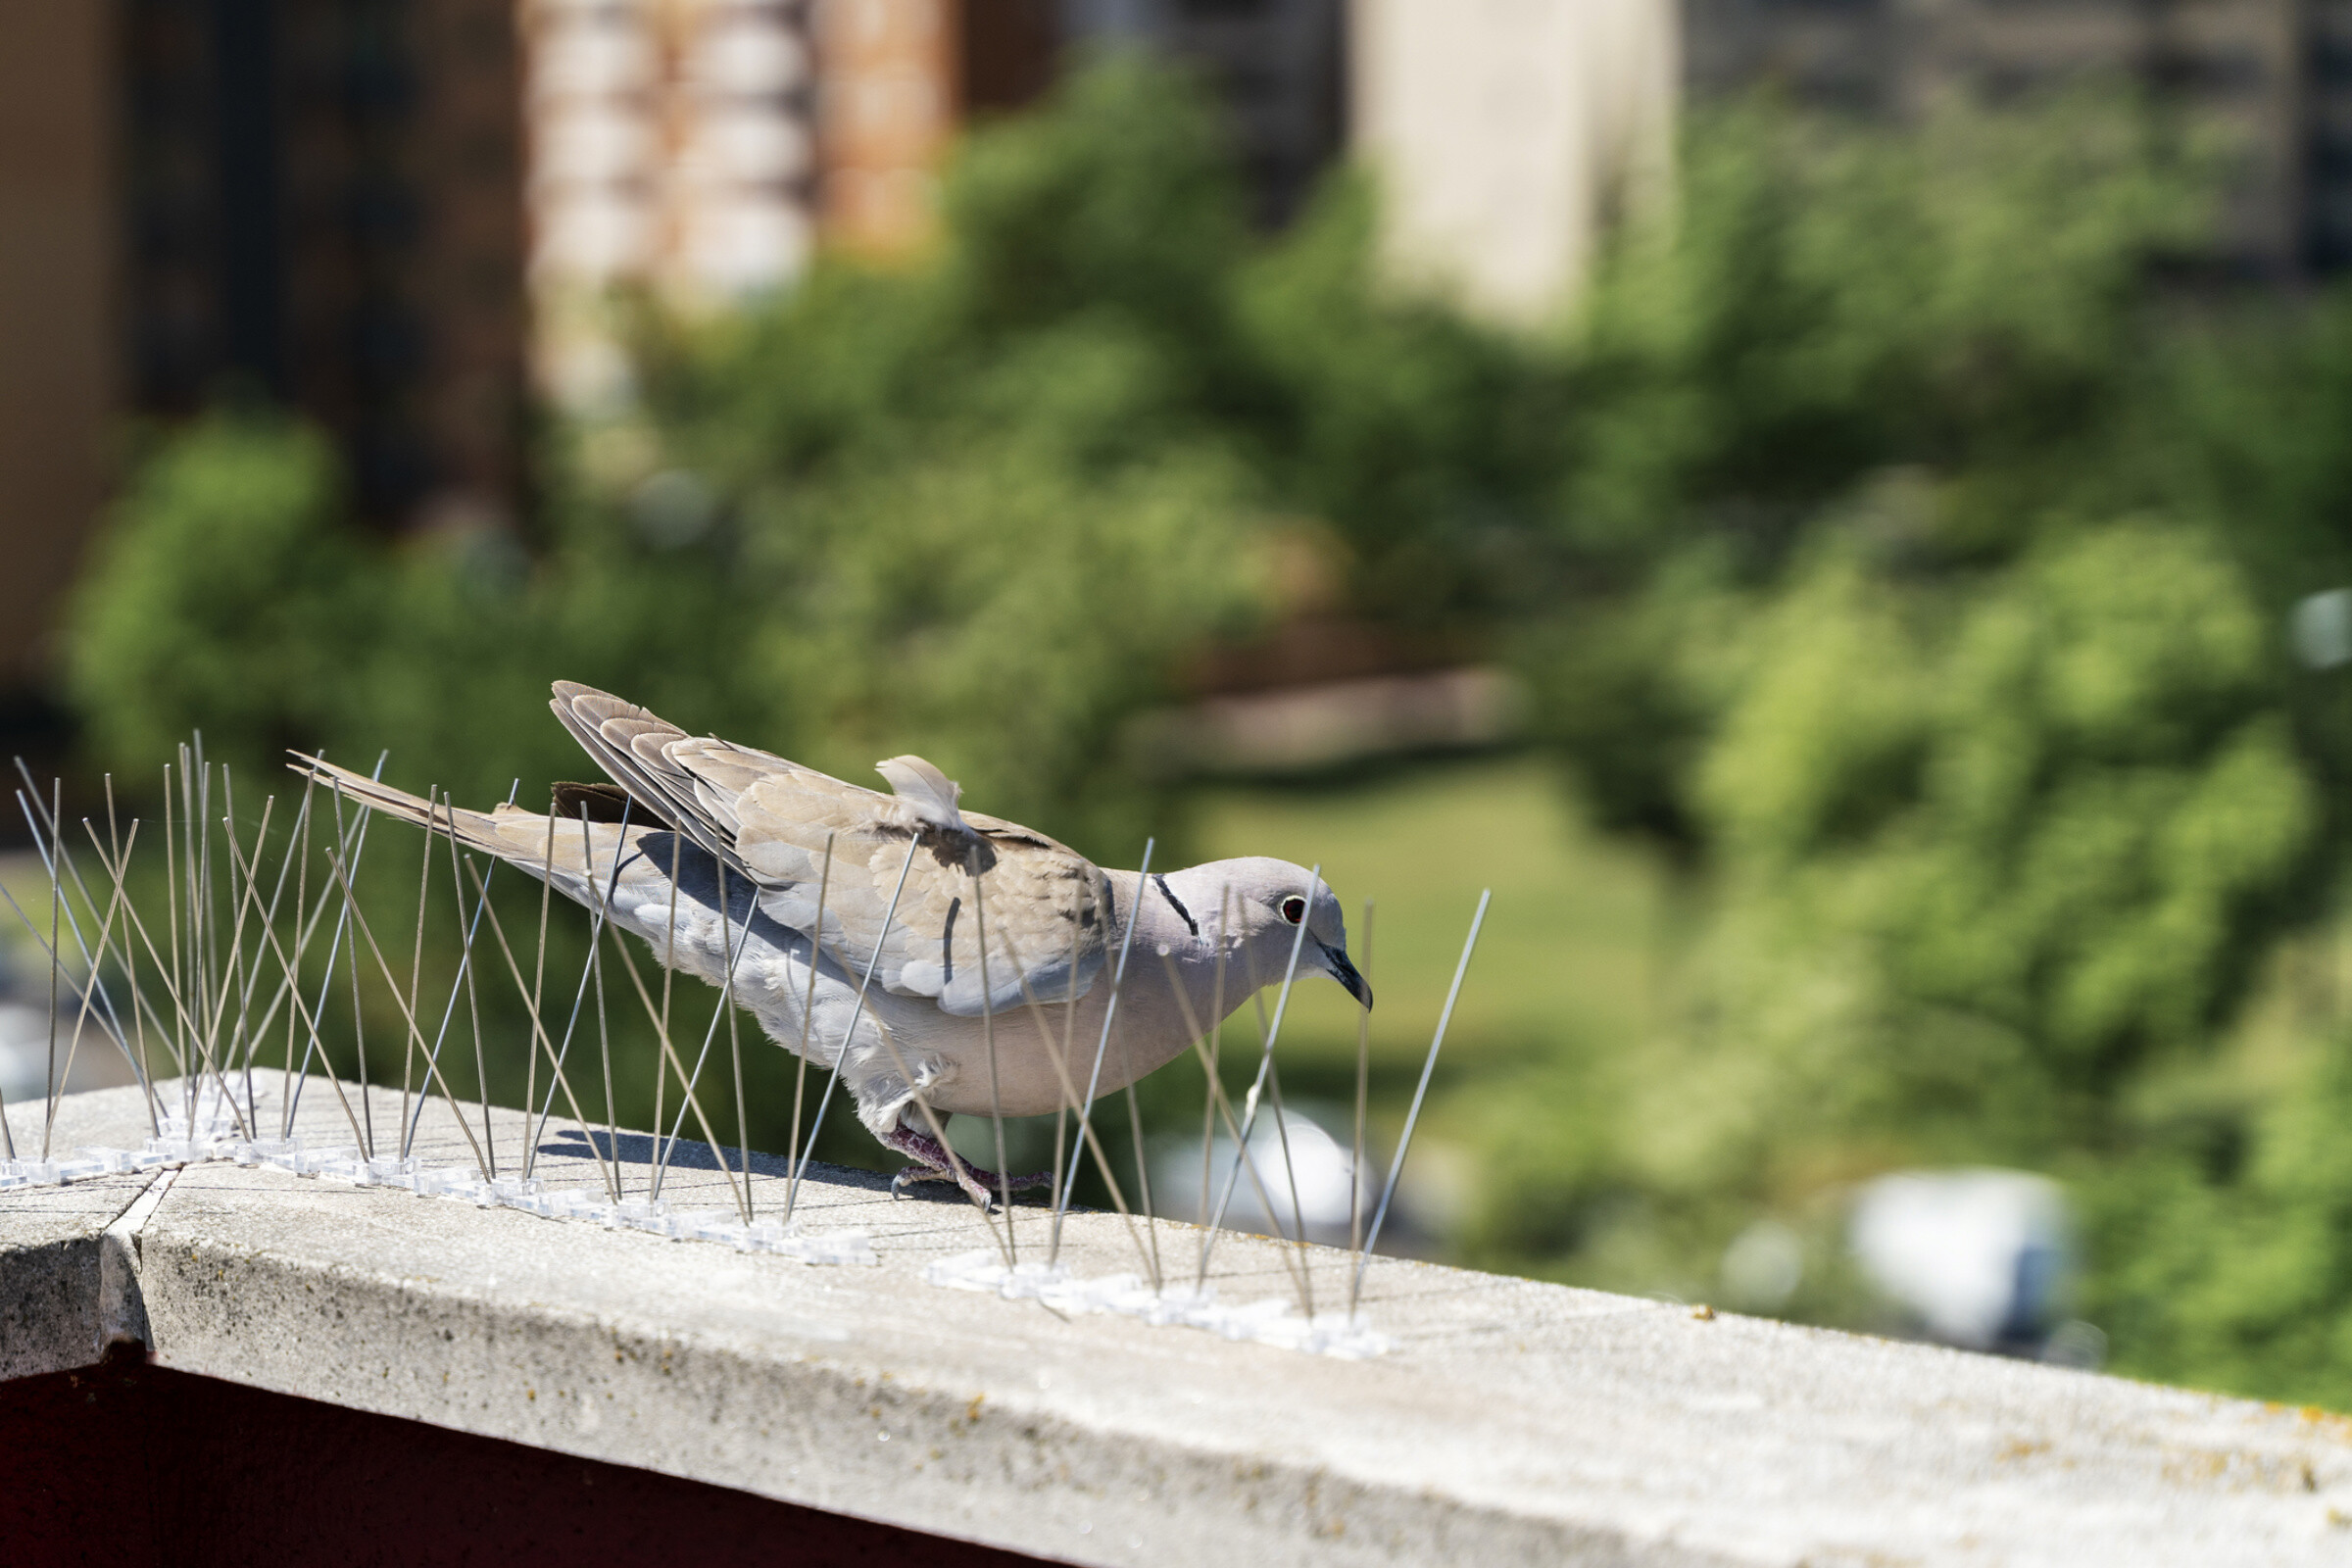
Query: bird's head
[1266, 903]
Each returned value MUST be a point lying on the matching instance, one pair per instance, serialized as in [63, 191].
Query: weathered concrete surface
[1514, 1422]
[53, 1241]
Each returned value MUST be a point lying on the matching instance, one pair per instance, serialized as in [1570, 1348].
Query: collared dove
[758, 824]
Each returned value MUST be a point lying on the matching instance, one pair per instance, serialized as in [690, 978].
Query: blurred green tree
[1946, 552]
[217, 598]
[1971, 300]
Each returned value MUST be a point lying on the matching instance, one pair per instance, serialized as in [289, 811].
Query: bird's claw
[933, 1163]
[917, 1173]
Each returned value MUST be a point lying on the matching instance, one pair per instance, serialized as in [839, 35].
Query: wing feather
[769, 818]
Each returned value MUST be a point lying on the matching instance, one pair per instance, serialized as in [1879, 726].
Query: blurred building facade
[2273, 76]
[703, 148]
[319, 204]
[1280, 66]
[670, 147]
[311, 202]
[1507, 134]
[59, 378]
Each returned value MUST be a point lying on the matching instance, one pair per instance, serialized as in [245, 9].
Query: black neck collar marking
[1176, 903]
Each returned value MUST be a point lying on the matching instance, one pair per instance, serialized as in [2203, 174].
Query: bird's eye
[1293, 908]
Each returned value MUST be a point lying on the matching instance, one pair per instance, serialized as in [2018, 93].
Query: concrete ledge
[53, 1242]
[1513, 1421]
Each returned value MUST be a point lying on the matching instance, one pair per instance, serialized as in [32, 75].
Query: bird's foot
[933, 1163]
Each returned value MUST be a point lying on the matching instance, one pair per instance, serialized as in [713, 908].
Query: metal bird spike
[1212, 1066]
[541, 1042]
[92, 992]
[988, 1028]
[66, 862]
[1060, 1062]
[141, 1064]
[89, 988]
[248, 1028]
[353, 843]
[722, 1006]
[290, 989]
[1221, 1105]
[1405, 1144]
[670, 970]
[57, 862]
[692, 1081]
[57, 906]
[237, 978]
[464, 980]
[465, 967]
[1363, 1086]
[742, 1114]
[359, 1012]
[52, 946]
[799, 1072]
[533, 997]
[1256, 1097]
[1110, 1016]
[406, 1017]
[298, 849]
[596, 964]
[596, 932]
[171, 981]
[425, 888]
[792, 1193]
[669, 1057]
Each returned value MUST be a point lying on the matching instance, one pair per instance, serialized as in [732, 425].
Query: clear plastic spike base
[215, 1133]
[1268, 1322]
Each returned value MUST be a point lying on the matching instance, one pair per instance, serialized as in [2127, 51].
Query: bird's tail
[582, 845]
[477, 830]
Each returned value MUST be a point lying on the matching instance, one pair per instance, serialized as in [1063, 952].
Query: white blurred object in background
[25, 1034]
[97, 1063]
[2322, 629]
[1507, 134]
[24, 1052]
[1985, 1259]
[1763, 1267]
[1323, 1167]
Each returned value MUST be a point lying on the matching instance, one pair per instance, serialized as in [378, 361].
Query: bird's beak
[1345, 973]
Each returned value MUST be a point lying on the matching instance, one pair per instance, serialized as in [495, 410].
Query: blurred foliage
[1947, 544]
[2223, 1236]
[218, 600]
[1900, 538]
[1969, 301]
[1970, 295]
[1983, 846]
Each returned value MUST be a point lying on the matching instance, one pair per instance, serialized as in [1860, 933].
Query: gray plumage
[760, 823]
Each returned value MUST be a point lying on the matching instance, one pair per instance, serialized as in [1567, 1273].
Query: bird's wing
[1044, 905]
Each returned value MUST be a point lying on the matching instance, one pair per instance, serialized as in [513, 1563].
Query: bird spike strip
[232, 970]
